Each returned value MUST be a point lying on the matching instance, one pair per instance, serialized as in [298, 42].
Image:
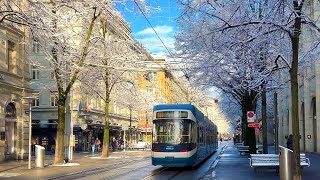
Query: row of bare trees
[237, 46]
[80, 40]
[87, 45]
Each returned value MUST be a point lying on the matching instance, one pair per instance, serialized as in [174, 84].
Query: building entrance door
[10, 128]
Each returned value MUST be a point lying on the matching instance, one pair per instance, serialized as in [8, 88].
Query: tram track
[98, 171]
[165, 170]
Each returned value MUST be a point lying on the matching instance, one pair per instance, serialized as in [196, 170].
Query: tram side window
[201, 136]
[193, 133]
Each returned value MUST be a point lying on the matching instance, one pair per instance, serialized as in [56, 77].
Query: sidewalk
[230, 165]
[81, 161]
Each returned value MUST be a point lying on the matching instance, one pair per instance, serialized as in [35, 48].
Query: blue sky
[162, 17]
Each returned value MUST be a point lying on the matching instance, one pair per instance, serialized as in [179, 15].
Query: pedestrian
[114, 144]
[290, 142]
[53, 146]
[221, 139]
[97, 143]
[120, 142]
[93, 145]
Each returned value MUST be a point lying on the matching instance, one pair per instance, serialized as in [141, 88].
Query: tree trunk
[264, 119]
[105, 150]
[247, 105]
[294, 92]
[59, 151]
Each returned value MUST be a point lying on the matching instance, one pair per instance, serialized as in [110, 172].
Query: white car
[140, 145]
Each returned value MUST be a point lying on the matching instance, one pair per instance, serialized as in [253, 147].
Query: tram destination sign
[253, 125]
[172, 114]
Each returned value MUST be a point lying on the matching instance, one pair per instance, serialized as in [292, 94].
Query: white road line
[213, 174]
[215, 163]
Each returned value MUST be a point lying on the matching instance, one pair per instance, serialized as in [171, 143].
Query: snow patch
[6, 174]
[68, 164]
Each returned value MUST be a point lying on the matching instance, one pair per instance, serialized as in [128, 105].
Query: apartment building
[14, 87]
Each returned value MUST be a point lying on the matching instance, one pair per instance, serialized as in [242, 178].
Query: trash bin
[285, 161]
[40, 153]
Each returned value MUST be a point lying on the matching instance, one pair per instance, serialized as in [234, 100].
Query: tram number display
[172, 114]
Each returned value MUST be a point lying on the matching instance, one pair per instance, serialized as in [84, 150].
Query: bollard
[285, 163]
[40, 153]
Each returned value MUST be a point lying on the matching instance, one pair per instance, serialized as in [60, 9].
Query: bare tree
[244, 25]
[69, 33]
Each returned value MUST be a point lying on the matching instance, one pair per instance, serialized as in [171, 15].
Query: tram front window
[173, 131]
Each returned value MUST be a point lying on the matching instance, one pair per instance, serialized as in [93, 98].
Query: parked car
[140, 145]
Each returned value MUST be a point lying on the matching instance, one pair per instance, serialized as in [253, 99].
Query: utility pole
[146, 126]
[30, 99]
[276, 121]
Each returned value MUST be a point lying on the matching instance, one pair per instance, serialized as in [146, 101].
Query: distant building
[161, 86]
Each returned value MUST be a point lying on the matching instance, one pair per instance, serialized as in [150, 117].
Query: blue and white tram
[181, 136]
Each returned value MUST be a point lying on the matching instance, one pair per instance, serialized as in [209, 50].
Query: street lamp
[30, 98]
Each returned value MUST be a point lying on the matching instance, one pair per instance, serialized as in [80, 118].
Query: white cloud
[159, 29]
[152, 43]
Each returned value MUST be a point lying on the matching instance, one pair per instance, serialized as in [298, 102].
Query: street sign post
[253, 125]
[250, 116]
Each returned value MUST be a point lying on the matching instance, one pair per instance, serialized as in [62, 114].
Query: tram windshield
[174, 131]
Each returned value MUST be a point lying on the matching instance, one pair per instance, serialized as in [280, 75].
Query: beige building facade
[14, 86]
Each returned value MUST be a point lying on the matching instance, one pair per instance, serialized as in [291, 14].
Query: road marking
[110, 157]
[215, 163]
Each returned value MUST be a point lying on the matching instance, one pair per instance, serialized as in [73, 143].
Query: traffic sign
[253, 125]
[125, 126]
[250, 116]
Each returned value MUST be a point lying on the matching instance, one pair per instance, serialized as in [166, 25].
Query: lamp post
[30, 126]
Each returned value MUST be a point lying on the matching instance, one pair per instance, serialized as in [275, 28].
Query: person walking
[290, 142]
[114, 144]
[97, 143]
[93, 145]
[120, 142]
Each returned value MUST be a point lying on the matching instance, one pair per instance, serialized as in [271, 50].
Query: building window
[35, 102]
[11, 58]
[35, 72]
[53, 99]
[35, 46]
[10, 111]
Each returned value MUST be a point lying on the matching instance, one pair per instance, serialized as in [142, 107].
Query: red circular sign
[250, 114]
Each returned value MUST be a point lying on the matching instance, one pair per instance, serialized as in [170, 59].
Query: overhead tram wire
[164, 69]
[144, 15]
